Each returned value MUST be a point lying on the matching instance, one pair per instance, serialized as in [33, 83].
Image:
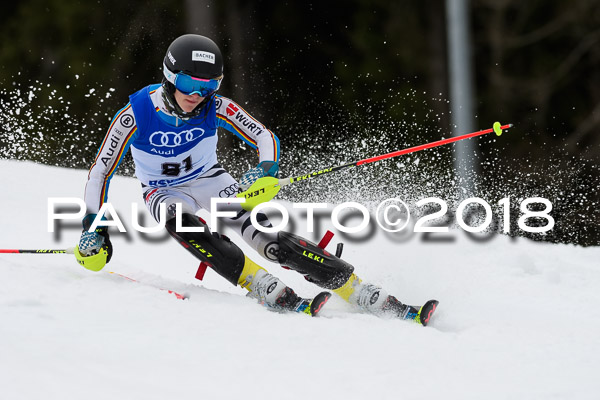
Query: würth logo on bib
[203, 56]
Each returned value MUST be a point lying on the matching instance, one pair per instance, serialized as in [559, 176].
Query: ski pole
[94, 262]
[38, 251]
[287, 181]
[265, 189]
[71, 250]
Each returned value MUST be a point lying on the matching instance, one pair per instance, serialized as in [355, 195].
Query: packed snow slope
[517, 319]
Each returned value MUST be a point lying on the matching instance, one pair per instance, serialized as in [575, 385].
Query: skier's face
[187, 102]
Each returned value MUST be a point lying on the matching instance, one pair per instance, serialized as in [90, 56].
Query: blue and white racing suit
[176, 161]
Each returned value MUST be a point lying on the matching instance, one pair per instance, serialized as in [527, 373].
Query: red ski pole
[265, 189]
[71, 251]
[497, 128]
[38, 251]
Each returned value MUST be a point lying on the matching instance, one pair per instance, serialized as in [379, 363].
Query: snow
[517, 319]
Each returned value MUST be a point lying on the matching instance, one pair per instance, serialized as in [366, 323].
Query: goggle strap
[168, 74]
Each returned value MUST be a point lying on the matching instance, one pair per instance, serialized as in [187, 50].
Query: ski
[174, 293]
[310, 307]
[313, 306]
[421, 315]
[424, 314]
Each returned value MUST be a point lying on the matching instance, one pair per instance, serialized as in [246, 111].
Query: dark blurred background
[337, 81]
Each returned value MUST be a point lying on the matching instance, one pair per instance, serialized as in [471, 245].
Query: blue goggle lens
[188, 85]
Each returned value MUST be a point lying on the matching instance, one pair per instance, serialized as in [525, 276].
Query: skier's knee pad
[224, 256]
[318, 265]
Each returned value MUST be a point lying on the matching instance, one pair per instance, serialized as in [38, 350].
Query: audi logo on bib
[175, 139]
[229, 190]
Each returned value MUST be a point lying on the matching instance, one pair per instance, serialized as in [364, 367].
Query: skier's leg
[218, 183]
[224, 256]
[228, 260]
[216, 250]
[330, 272]
[316, 264]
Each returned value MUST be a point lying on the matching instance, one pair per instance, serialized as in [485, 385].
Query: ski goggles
[189, 85]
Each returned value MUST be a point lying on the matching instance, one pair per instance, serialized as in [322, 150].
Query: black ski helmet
[194, 55]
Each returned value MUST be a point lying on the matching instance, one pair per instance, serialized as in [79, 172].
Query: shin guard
[220, 253]
[318, 265]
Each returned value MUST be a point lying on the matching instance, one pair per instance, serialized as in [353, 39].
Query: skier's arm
[236, 120]
[95, 249]
[120, 134]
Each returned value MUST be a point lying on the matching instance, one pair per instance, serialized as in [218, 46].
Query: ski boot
[404, 311]
[375, 300]
[275, 295]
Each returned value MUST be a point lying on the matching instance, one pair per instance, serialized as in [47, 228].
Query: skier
[171, 129]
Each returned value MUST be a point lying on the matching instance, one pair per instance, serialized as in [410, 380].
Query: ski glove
[265, 168]
[90, 243]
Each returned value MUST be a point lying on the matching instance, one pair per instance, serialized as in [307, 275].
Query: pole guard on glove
[94, 250]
